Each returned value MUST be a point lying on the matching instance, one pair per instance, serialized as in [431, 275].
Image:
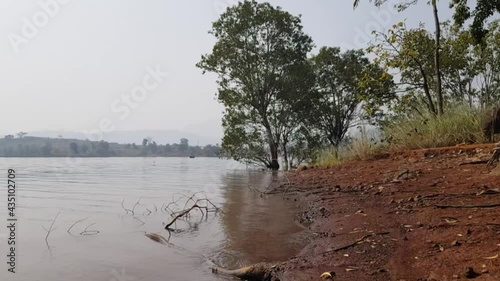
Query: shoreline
[408, 216]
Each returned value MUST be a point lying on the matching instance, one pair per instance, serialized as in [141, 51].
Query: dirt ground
[418, 215]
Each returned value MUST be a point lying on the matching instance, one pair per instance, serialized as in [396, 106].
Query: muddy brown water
[251, 229]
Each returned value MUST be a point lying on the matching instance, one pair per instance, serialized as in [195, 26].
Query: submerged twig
[69, 229]
[50, 229]
[123, 206]
[133, 209]
[204, 205]
[89, 232]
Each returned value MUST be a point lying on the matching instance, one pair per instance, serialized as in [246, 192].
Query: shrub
[459, 124]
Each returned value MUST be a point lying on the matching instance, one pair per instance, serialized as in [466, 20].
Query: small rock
[456, 243]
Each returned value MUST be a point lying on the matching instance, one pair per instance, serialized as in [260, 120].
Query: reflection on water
[252, 228]
[257, 228]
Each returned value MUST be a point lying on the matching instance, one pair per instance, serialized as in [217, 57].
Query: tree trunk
[437, 60]
[285, 157]
[273, 147]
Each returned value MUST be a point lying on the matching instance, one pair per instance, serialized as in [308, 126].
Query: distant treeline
[25, 146]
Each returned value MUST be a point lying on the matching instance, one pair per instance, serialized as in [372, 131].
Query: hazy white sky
[88, 64]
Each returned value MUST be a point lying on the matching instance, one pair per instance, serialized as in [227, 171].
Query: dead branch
[496, 156]
[50, 230]
[142, 223]
[174, 202]
[183, 213]
[69, 229]
[126, 210]
[203, 205]
[158, 238]
[467, 206]
[477, 162]
[357, 242]
[288, 185]
[89, 232]
[133, 209]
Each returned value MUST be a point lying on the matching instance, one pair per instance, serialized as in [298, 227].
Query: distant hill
[159, 136]
[29, 146]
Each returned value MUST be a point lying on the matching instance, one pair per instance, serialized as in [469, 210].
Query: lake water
[250, 229]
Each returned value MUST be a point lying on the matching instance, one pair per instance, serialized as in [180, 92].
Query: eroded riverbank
[424, 215]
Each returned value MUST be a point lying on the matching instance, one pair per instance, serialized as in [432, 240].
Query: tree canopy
[260, 52]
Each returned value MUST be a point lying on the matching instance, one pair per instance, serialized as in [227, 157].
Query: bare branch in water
[51, 228]
[89, 232]
[126, 210]
[142, 223]
[133, 209]
[204, 205]
[69, 229]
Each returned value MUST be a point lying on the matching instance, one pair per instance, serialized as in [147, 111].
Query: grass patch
[460, 124]
[360, 148]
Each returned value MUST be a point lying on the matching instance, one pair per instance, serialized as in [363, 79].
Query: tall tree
[340, 91]
[259, 51]
[484, 9]
[21, 134]
[437, 51]
[409, 52]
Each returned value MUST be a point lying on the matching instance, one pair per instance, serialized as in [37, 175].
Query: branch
[89, 232]
[357, 242]
[69, 229]
[467, 206]
[50, 230]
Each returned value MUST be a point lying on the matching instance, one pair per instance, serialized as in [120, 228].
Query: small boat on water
[191, 156]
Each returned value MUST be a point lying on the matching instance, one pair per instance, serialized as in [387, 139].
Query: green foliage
[410, 52]
[260, 56]
[484, 9]
[345, 82]
[460, 124]
[470, 73]
[361, 147]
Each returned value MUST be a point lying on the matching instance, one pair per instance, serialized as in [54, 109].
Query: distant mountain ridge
[124, 137]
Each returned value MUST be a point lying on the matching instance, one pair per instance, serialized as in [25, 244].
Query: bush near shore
[459, 125]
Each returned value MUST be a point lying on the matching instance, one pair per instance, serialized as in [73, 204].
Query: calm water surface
[252, 228]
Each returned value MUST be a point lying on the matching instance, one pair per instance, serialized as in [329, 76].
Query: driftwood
[357, 242]
[89, 232]
[257, 272]
[157, 238]
[467, 206]
[69, 229]
[193, 202]
[496, 156]
[51, 228]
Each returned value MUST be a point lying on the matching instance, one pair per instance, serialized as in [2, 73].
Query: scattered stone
[456, 243]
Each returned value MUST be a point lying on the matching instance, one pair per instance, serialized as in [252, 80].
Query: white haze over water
[69, 64]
